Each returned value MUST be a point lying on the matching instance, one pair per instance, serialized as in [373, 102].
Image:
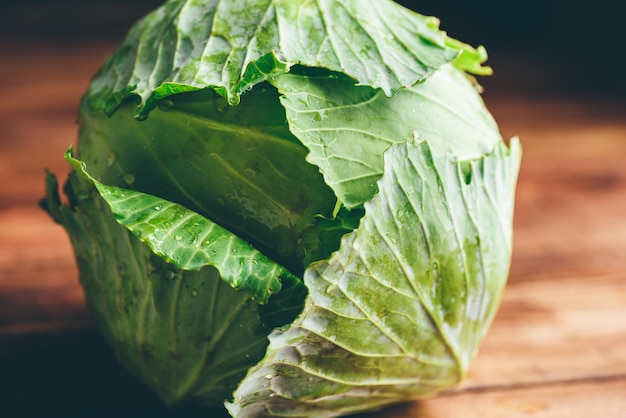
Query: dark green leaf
[238, 166]
[187, 334]
[189, 241]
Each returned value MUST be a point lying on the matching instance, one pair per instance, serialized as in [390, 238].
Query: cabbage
[289, 207]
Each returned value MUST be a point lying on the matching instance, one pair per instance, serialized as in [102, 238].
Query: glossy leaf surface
[189, 241]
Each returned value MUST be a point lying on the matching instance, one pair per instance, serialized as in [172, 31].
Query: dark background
[538, 47]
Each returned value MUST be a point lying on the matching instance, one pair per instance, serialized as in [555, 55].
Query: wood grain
[595, 398]
[556, 349]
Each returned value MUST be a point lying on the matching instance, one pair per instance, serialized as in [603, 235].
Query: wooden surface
[556, 349]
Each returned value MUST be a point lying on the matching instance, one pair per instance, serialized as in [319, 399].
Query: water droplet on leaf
[251, 168]
[165, 105]
[129, 178]
[221, 106]
[111, 159]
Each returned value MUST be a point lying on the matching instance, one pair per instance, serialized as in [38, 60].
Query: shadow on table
[74, 374]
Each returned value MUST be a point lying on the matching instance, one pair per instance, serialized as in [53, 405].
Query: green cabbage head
[293, 208]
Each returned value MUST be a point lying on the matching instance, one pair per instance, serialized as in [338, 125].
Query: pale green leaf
[400, 309]
[230, 46]
[347, 128]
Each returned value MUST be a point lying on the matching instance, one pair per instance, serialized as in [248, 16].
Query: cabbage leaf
[330, 115]
[398, 312]
[191, 45]
[187, 334]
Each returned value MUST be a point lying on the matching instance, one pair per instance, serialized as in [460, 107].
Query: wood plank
[571, 194]
[39, 288]
[569, 329]
[595, 398]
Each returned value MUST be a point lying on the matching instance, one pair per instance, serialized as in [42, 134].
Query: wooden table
[557, 347]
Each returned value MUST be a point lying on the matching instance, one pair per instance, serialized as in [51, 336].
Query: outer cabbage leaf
[190, 241]
[400, 309]
[161, 281]
[232, 45]
[347, 127]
